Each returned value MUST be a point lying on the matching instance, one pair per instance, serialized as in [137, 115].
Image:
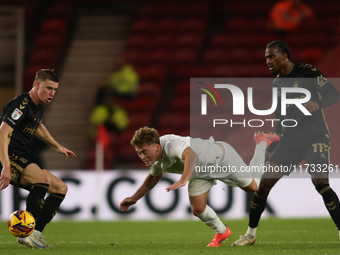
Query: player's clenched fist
[126, 203]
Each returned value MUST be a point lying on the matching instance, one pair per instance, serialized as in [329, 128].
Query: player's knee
[197, 210]
[62, 189]
[58, 187]
[252, 189]
[318, 180]
[44, 178]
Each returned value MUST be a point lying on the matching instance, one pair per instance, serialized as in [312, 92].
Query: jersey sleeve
[175, 147]
[156, 170]
[15, 112]
[328, 94]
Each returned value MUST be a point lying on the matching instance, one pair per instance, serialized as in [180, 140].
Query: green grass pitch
[275, 236]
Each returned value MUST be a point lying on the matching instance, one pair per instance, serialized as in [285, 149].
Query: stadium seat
[216, 55]
[174, 121]
[198, 9]
[135, 56]
[148, 10]
[163, 40]
[309, 55]
[138, 41]
[192, 41]
[62, 9]
[149, 88]
[193, 25]
[143, 26]
[259, 24]
[46, 56]
[191, 71]
[157, 56]
[220, 40]
[167, 25]
[238, 25]
[183, 56]
[148, 103]
[137, 120]
[222, 70]
[54, 25]
[127, 154]
[155, 73]
[49, 40]
[174, 10]
[183, 88]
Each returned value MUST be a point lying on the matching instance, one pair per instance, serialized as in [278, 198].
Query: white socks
[257, 162]
[251, 231]
[210, 218]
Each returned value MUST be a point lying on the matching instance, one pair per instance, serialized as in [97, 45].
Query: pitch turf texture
[275, 236]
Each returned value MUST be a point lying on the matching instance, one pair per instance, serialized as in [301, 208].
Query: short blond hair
[145, 135]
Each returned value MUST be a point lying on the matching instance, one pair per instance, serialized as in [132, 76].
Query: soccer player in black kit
[20, 119]
[308, 140]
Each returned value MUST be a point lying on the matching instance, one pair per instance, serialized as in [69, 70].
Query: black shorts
[289, 154]
[18, 163]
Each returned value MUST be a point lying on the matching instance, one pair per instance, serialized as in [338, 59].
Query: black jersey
[313, 127]
[24, 116]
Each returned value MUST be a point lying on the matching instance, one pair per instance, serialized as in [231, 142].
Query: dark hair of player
[46, 74]
[281, 45]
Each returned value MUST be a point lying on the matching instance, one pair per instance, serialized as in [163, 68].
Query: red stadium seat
[192, 41]
[183, 88]
[193, 25]
[215, 55]
[54, 25]
[180, 104]
[148, 10]
[157, 56]
[155, 73]
[148, 103]
[46, 56]
[238, 25]
[198, 10]
[49, 40]
[149, 88]
[144, 26]
[191, 71]
[137, 120]
[220, 40]
[167, 25]
[174, 121]
[183, 56]
[309, 55]
[135, 56]
[259, 24]
[163, 40]
[138, 41]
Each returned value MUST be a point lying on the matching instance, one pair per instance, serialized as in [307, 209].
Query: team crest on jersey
[16, 114]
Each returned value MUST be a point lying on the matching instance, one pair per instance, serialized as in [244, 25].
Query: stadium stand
[167, 43]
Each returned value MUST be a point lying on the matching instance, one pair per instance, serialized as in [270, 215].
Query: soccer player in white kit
[191, 157]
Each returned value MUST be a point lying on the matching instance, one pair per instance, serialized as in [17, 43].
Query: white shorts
[199, 186]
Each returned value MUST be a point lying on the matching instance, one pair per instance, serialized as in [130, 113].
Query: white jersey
[209, 154]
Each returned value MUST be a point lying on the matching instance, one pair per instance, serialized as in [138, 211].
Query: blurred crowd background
[127, 64]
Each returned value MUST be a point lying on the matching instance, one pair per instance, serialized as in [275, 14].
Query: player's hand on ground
[126, 203]
[66, 152]
[311, 106]
[176, 185]
[5, 178]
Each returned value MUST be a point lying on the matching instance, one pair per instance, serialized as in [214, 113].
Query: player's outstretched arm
[42, 133]
[190, 161]
[5, 177]
[149, 183]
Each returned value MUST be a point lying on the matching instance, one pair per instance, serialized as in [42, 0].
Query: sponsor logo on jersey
[16, 114]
